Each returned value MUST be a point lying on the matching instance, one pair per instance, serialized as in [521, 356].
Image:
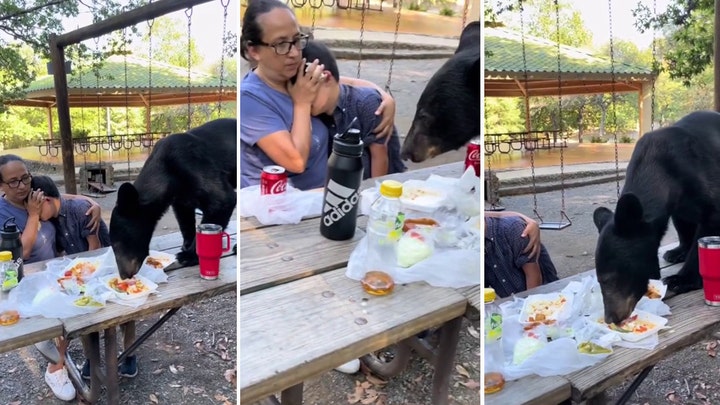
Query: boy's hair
[46, 184]
[317, 50]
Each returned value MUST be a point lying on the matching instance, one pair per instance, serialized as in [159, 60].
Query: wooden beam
[57, 57]
[138, 15]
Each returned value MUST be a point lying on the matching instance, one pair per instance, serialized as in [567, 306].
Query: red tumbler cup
[709, 261]
[209, 248]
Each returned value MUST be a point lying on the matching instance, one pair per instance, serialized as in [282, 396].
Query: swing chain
[560, 107]
[612, 100]
[655, 72]
[188, 13]
[527, 111]
[394, 48]
[224, 3]
[466, 5]
[362, 35]
[150, 24]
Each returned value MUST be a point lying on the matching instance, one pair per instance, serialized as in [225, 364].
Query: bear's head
[447, 115]
[625, 257]
[130, 231]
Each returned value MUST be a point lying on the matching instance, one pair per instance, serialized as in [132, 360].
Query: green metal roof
[112, 77]
[506, 50]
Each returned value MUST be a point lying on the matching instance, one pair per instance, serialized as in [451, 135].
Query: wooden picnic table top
[184, 285]
[293, 284]
[691, 321]
[294, 331]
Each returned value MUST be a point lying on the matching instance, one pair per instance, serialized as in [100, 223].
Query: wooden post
[49, 117]
[57, 56]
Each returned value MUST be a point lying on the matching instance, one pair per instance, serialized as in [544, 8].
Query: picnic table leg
[111, 366]
[91, 347]
[292, 395]
[449, 337]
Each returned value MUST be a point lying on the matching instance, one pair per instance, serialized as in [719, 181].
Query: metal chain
[560, 111]
[225, 4]
[394, 47]
[362, 35]
[127, 102]
[612, 100]
[527, 95]
[655, 70]
[150, 24]
[188, 13]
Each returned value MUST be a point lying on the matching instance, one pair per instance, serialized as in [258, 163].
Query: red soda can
[273, 180]
[472, 156]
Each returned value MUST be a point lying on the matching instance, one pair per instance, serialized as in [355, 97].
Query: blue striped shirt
[504, 258]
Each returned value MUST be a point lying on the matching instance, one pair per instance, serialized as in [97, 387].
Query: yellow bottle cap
[5, 255]
[489, 294]
[391, 188]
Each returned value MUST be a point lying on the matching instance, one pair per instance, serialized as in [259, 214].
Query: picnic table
[690, 322]
[302, 316]
[184, 286]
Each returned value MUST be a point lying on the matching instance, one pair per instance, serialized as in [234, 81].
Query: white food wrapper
[277, 209]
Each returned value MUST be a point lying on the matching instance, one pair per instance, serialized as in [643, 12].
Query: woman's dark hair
[46, 185]
[5, 159]
[317, 50]
[251, 30]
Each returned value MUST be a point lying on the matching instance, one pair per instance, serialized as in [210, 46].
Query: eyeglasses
[283, 47]
[26, 179]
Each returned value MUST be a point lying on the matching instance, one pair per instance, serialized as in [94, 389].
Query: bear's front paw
[187, 258]
[676, 255]
[681, 284]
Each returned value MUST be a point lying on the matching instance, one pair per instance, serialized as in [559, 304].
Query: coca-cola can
[273, 180]
[472, 156]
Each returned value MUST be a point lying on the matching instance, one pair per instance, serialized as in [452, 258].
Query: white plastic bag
[445, 268]
[277, 209]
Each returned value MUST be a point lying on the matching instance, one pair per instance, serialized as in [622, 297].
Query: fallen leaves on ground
[218, 348]
[473, 332]
[154, 398]
[673, 397]
[711, 348]
[365, 393]
[225, 400]
[231, 376]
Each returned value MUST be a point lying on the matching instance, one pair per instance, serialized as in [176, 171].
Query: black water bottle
[341, 197]
[10, 240]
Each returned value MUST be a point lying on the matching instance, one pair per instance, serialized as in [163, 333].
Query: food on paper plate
[633, 325]
[377, 283]
[153, 262]
[412, 248]
[592, 348]
[9, 317]
[130, 286]
[543, 309]
[412, 223]
[656, 290]
[87, 301]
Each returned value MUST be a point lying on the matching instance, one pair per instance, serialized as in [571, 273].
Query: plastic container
[494, 358]
[419, 196]
[384, 228]
[8, 271]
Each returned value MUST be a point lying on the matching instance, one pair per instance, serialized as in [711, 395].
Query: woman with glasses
[38, 241]
[276, 127]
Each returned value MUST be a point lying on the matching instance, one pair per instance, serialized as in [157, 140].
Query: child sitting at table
[338, 104]
[73, 236]
[515, 259]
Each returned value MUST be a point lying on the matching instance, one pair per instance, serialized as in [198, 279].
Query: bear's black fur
[447, 115]
[673, 173]
[196, 169]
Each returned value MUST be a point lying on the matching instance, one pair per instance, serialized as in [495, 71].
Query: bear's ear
[601, 216]
[629, 214]
[127, 198]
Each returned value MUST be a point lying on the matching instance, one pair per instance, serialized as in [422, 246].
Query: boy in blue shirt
[338, 104]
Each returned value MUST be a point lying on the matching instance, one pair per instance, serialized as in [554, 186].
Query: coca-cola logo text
[279, 187]
[474, 155]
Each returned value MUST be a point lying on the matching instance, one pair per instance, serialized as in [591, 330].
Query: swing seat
[101, 188]
[554, 226]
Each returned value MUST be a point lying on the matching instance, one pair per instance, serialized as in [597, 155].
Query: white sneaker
[60, 384]
[351, 367]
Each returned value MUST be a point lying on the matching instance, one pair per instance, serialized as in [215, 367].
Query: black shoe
[128, 368]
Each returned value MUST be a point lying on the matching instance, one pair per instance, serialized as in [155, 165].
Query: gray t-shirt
[263, 111]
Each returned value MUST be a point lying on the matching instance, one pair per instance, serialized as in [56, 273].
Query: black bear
[447, 115]
[672, 174]
[196, 169]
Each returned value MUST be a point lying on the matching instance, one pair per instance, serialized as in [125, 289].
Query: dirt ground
[688, 377]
